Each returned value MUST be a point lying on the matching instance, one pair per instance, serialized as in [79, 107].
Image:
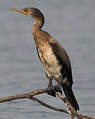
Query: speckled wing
[63, 59]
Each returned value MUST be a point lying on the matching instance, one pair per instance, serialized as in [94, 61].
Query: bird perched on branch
[54, 58]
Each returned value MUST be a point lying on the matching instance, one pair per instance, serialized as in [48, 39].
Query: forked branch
[31, 95]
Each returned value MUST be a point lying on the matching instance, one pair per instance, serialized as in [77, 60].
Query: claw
[51, 91]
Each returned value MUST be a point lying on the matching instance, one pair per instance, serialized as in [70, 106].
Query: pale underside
[50, 63]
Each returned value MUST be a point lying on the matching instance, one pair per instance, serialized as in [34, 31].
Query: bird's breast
[49, 61]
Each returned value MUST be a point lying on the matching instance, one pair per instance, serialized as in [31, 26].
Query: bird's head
[33, 12]
[30, 11]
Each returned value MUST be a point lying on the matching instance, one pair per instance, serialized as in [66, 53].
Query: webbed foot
[50, 90]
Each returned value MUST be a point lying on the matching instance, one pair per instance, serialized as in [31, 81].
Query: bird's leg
[51, 90]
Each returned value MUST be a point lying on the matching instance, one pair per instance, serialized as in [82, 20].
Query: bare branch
[72, 116]
[22, 96]
[31, 95]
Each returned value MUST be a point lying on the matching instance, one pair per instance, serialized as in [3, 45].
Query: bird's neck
[37, 24]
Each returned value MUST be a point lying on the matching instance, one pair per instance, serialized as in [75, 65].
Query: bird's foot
[51, 91]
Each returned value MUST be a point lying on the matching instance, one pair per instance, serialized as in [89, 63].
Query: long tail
[70, 96]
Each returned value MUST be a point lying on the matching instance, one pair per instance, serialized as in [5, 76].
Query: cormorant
[53, 56]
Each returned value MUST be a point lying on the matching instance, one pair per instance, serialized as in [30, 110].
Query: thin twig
[72, 110]
[48, 106]
[72, 116]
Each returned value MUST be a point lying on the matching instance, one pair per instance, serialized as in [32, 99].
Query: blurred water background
[72, 23]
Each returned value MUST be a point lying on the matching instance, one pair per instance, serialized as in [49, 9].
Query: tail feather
[70, 96]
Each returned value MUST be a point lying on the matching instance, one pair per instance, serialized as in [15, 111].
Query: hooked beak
[19, 10]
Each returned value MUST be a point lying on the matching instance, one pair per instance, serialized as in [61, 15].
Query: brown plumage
[54, 58]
